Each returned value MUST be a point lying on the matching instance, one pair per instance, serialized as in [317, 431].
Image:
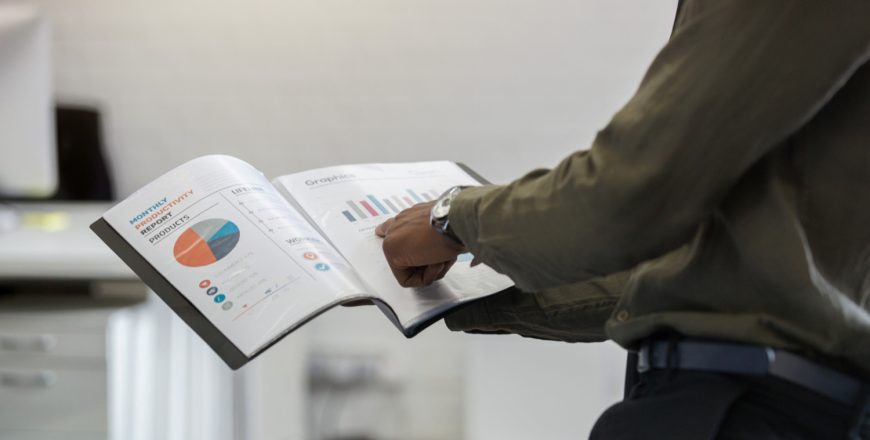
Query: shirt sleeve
[570, 313]
[736, 78]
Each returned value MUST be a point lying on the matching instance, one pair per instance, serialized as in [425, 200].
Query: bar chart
[372, 206]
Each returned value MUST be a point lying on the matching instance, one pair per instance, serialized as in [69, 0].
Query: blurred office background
[502, 85]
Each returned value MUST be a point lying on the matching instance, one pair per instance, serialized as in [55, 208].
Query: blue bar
[349, 217]
[378, 204]
[415, 196]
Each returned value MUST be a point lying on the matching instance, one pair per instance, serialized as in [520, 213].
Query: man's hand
[417, 254]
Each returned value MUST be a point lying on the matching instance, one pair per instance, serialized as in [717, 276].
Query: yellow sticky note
[45, 221]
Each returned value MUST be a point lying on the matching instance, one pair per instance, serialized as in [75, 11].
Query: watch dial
[441, 208]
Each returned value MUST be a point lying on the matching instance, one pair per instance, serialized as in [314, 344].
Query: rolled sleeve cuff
[463, 215]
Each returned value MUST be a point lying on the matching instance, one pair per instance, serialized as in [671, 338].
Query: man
[719, 224]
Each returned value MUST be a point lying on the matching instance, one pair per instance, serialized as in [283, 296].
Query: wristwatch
[440, 210]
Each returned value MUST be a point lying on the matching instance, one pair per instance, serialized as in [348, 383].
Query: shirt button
[622, 315]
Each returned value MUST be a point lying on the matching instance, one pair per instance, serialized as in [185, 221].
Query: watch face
[441, 208]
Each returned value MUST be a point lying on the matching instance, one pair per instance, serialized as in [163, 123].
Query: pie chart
[206, 242]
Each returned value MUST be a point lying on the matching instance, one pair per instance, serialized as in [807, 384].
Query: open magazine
[245, 261]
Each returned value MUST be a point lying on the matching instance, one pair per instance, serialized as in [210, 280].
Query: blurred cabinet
[53, 381]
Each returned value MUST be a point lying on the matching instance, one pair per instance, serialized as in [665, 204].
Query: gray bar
[399, 202]
[391, 206]
[356, 209]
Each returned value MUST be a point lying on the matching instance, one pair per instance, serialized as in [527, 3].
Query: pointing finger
[382, 228]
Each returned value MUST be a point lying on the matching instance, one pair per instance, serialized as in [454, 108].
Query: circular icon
[204, 283]
[309, 256]
[211, 291]
[321, 267]
[227, 305]
[219, 298]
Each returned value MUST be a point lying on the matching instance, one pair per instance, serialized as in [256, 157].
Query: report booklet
[244, 261]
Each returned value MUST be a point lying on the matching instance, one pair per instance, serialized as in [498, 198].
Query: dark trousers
[675, 404]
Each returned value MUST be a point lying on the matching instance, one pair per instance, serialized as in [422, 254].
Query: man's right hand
[417, 254]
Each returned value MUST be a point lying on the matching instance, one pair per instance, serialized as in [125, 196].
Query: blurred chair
[83, 170]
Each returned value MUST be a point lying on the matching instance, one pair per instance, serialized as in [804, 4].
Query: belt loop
[861, 426]
[643, 357]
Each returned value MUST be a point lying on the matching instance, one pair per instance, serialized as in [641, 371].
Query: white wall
[503, 85]
[530, 389]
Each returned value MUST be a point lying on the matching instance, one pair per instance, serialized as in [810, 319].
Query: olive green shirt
[729, 198]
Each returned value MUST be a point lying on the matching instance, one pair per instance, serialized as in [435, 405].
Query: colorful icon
[206, 242]
[204, 283]
[211, 291]
[219, 298]
[227, 305]
[310, 256]
[321, 267]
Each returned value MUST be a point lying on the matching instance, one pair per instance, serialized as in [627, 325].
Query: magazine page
[348, 202]
[223, 236]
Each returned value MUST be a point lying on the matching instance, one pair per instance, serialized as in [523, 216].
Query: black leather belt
[754, 360]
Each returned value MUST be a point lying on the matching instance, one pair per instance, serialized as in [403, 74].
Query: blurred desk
[53, 241]
[59, 285]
